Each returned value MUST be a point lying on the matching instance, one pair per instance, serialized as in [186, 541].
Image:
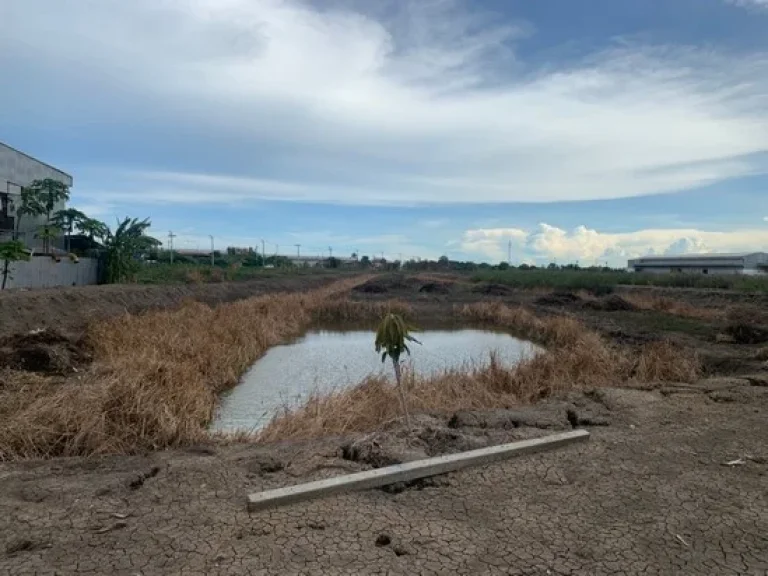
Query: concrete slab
[409, 471]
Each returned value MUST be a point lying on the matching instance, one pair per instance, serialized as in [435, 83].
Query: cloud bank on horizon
[200, 105]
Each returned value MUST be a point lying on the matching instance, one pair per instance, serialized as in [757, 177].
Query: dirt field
[68, 310]
[673, 480]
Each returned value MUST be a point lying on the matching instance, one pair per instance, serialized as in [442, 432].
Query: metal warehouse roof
[17, 151]
[698, 256]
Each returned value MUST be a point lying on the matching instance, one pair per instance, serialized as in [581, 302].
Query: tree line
[117, 248]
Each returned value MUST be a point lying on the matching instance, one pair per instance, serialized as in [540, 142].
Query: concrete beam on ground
[409, 471]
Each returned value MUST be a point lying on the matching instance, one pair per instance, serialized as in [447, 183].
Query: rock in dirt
[558, 299]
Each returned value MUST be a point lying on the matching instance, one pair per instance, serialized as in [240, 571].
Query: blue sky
[592, 131]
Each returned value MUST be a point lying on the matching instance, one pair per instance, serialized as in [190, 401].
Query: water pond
[325, 360]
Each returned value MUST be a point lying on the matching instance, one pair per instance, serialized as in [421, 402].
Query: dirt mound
[46, 350]
[611, 303]
[371, 287]
[379, 453]
[558, 299]
[550, 416]
[388, 282]
[436, 287]
[70, 309]
[490, 289]
[747, 326]
[745, 333]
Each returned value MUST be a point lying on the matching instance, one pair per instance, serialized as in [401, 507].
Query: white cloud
[546, 243]
[757, 4]
[433, 106]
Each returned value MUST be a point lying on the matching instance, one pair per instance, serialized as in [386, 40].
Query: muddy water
[327, 360]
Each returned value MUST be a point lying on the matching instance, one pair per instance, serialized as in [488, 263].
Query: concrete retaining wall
[45, 272]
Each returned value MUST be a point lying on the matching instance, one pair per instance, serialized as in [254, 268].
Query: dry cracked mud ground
[674, 481]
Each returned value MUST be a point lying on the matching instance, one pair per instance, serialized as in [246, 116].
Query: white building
[742, 263]
[18, 169]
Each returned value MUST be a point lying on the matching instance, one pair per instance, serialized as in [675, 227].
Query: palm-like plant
[31, 205]
[67, 220]
[124, 245]
[392, 337]
[48, 193]
[93, 228]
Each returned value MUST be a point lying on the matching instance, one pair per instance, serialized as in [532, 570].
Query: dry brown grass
[156, 377]
[762, 354]
[576, 358]
[672, 306]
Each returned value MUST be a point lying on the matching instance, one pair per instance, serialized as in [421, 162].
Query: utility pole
[263, 254]
[277, 246]
[298, 250]
[509, 253]
[171, 236]
[213, 257]
[330, 251]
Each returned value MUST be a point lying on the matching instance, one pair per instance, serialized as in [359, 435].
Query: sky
[546, 130]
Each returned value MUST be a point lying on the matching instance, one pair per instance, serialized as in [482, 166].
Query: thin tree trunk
[6, 271]
[401, 393]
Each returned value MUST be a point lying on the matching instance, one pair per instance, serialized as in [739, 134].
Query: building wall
[16, 170]
[45, 272]
[690, 270]
[752, 264]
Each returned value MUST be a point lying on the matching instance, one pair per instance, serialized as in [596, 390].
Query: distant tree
[67, 220]
[443, 262]
[12, 251]
[391, 341]
[48, 193]
[94, 229]
[124, 245]
[333, 262]
[30, 205]
[365, 262]
[552, 266]
[503, 266]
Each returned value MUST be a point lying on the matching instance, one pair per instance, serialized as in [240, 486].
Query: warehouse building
[750, 263]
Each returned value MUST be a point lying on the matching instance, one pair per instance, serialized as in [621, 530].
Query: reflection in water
[323, 361]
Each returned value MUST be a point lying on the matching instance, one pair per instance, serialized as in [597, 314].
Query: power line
[171, 236]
